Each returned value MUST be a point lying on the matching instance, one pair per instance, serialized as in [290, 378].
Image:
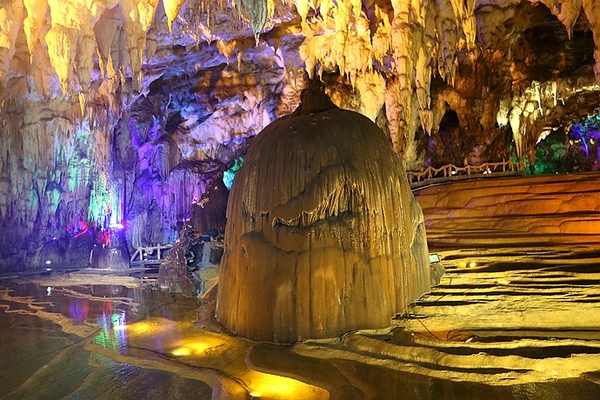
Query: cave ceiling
[501, 64]
[100, 100]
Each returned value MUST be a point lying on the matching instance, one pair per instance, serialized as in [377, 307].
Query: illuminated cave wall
[68, 177]
[122, 112]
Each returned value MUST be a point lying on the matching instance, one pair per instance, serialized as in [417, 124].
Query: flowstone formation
[323, 235]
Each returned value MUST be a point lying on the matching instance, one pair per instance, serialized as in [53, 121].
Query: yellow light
[196, 347]
[200, 347]
[143, 327]
[278, 387]
[182, 351]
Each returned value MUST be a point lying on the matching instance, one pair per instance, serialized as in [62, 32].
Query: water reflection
[78, 310]
[113, 333]
[106, 342]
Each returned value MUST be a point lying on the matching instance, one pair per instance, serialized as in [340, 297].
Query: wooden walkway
[144, 264]
[146, 261]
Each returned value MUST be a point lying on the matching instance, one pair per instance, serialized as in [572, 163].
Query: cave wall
[120, 113]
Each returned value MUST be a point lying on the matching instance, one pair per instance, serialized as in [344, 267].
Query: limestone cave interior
[294, 199]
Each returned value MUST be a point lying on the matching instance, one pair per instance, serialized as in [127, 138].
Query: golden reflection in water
[193, 346]
[267, 386]
[196, 348]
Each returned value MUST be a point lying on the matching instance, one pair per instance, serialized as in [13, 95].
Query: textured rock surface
[527, 210]
[323, 234]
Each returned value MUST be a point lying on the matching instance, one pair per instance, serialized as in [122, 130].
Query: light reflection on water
[113, 342]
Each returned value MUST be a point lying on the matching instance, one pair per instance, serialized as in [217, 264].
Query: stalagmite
[320, 237]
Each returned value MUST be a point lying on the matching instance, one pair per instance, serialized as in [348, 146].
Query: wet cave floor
[515, 316]
[499, 326]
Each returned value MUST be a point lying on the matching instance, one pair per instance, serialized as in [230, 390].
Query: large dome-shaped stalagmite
[324, 235]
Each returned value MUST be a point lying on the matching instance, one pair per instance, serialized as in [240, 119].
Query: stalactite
[61, 48]
[371, 86]
[137, 228]
[394, 113]
[172, 8]
[226, 48]
[137, 17]
[380, 41]
[470, 24]
[105, 31]
[448, 37]
[567, 13]
[86, 49]
[592, 13]
[258, 12]
[37, 11]
[11, 18]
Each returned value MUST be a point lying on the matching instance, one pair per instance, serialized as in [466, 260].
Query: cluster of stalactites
[67, 35]
[415, 35]
[527, 112]
[64, 38]
[170, 199]
[568, 12]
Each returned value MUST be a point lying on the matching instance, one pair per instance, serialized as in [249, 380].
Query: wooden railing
[450, 171]
[145, 256]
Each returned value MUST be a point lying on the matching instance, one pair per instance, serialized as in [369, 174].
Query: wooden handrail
[141, 251]
[450, 170]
